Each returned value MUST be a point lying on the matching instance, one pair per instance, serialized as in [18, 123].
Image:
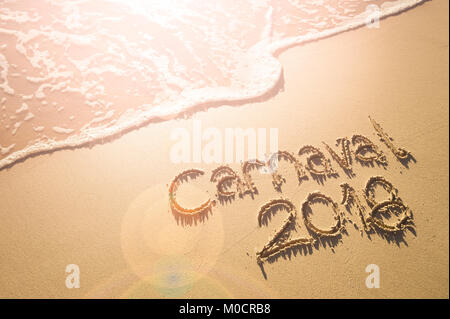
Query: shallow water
[72, 72]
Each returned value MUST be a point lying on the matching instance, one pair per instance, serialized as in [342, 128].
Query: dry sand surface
[106, 208]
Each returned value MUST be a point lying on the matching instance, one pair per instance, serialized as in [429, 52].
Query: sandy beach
[106, 207]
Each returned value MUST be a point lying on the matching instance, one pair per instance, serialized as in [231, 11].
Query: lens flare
[169, 256]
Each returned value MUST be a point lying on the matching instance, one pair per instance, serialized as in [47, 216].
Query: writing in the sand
[311, 161]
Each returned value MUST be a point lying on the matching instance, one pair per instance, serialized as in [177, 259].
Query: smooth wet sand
[106, 209]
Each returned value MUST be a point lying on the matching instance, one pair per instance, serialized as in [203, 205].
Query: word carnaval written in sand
[229, 184]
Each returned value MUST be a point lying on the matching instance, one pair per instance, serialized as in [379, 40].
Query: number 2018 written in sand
[359, 147]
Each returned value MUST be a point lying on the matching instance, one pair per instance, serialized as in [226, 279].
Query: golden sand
[107, 208]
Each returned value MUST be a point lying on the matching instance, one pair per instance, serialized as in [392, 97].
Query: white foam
[4, 66]
[17, 125]
[23, 108]
[6, 150]
[249, 72]
[62, 130]
[29, 116]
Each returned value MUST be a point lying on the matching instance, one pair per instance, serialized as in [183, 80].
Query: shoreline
[88, 139]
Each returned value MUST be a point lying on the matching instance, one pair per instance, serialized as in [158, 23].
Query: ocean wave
[73, 73]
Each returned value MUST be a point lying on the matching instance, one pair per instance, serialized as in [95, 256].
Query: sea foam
[75, 72]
